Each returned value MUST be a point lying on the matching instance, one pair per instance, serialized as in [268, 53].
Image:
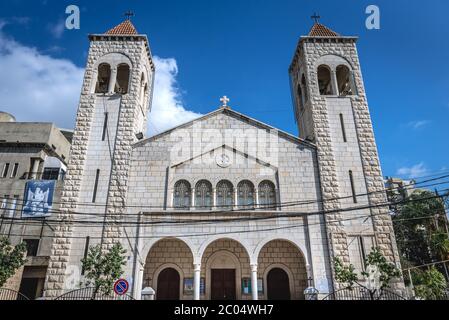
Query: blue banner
[38, 199]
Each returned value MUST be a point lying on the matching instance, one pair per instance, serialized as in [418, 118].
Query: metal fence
[360, 293]
[8, 294]
[89, 294]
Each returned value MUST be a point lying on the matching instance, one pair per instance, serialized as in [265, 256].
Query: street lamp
[311, 293]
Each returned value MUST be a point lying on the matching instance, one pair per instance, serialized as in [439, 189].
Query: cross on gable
[129, 14]
[316, 17]
[225, 101]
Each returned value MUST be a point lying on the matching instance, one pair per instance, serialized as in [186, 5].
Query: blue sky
[242, 49]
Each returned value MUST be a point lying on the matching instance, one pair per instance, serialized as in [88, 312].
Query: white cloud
[37, 87]
[57, 29]
[415, 171]
[418, 124]
[168, 110]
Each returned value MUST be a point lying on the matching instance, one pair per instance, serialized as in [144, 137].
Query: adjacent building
[33, 163]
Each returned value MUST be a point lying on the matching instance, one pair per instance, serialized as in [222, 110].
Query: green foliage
[430, 284]
[385, 270]
[11, 259]
[344, 274]
[420, 229]
[103, 268]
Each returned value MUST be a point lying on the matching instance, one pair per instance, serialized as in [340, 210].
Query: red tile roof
[124, 28]
[319, 30]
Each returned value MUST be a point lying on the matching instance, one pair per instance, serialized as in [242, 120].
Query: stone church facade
[223, 207]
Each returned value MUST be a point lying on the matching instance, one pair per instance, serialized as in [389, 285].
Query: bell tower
[331, 110]
[112, 116]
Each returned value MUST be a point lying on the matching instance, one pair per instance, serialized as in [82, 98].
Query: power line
[292, 226]
[251, 206]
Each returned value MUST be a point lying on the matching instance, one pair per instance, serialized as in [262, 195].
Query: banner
[38, 199]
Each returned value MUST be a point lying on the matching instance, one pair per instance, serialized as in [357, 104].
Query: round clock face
[223, 160]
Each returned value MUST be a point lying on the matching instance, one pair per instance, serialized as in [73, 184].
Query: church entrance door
[223, 284]
[278, 285]
[168, 285]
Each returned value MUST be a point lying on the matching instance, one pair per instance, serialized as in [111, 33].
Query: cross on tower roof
[225, 101]
[129, 14]
[316, 17]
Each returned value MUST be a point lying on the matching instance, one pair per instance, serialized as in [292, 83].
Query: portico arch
[165, 256]
[224, 263]
[269, 255]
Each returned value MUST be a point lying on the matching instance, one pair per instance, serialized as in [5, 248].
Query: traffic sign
[121, 287]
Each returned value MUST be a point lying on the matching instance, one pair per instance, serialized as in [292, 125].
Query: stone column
[254, 289]
[334, 83]
[236, 199]
[257, 198]
[138, 283]
[112, 80]
[193, 198]
[196, 281]
[214, 198]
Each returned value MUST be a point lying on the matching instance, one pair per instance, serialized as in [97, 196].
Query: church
[224, 207]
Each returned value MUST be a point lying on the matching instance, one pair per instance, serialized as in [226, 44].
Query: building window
[245, 190]
[359, 248]
[104, 76]
[105, 126]
[182, 195]
[267, 195]
[300, 97]
[343, 130]
[345, 81]
[97, 177]
[324, 80]
[4, 205]
[32, 247]
[121, 86]
[5, 170]
[14, 170]
[203, 195]
[51, 174]
[304, 87]
[225, 195]
[351, 179]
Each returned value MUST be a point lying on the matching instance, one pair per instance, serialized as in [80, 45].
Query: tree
[430, 285]
[420, 226]
[11, 259]
[103, 268]
[377, 267]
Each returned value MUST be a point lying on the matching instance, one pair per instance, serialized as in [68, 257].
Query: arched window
[203, 194]
[300, 97]
[121, 86]
[104, 76]
[225, 195]
[345, 81]
[304, 87]
[182, 195]
[245, 191]
[324, 80]
[267, 195]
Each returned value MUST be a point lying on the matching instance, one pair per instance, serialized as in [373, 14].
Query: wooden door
[278, 285]
[168, 285]
[223, 284]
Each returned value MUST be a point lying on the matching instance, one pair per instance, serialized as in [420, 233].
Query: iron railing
[8, 294]
[361, 293]
[89, 294]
